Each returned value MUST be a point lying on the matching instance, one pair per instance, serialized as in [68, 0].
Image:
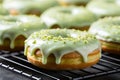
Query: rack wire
[17, 62]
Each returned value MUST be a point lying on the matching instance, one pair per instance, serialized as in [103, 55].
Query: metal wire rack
[17, 62]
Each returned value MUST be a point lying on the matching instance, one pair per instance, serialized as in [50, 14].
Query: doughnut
[107, 30]
[73, 2]
[15, 29]
[62, 49]
[28, 6]
[71, 17]
[103, 8]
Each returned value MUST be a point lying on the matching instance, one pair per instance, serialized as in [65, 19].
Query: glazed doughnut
[62, 49]
[68, 17]
[107, 30]
[103, 8]
[28, 6]
[15, 29]
[73, 2]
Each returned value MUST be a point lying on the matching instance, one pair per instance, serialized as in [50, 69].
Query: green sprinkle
[34, 42]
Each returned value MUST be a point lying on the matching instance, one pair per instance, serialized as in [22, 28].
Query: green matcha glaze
[60, 42]
[24, 6]
[107, 29]
[67, 17]
[3, 11]
[104, 8]
[13, 26]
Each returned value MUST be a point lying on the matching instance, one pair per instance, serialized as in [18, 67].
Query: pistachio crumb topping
[63, 35]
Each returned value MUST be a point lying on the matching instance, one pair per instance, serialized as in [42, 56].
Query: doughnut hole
[34, 12]
[55, 26]
[74, 27]
[80, 28]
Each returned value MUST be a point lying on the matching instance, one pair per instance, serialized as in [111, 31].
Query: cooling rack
[17, 62]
